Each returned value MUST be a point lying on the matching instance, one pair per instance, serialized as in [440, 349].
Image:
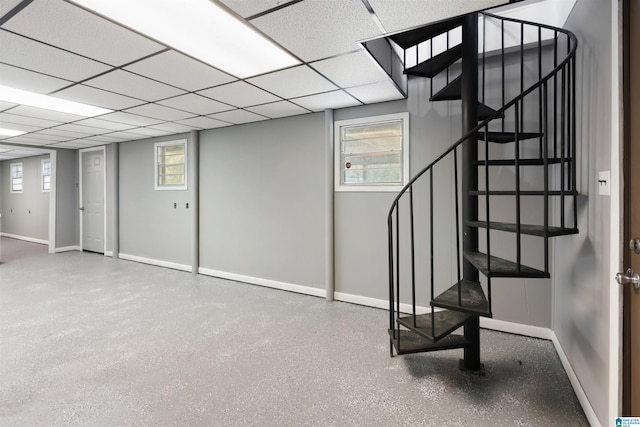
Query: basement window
[46, 175]
[16, 177]
[372, 154]
[171, 165]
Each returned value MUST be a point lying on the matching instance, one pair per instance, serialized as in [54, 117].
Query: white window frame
[156, 146]
[42, 175]
[371, 187]
[11, 177]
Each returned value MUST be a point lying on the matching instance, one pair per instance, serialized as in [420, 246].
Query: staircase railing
[553, 94]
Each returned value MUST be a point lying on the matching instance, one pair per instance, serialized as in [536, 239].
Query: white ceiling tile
[126, 83]
[26, 139]
[48, 137]
[7, 5]
[66, 133]
[293, 82]
[197, 104]
[101, 139]
[126, 136]
[88, 130]
[203, 123]
[41, 113]
[335, 99]
[181, 71]
[28, 80]
[73, 145]
[160, 112]
[14, 118]
[173, 127]
[354, 69]
[71, 28]
[19, 126]
[130, 119]
[147, 131]
[246, 8]
[22, 52]
[319, 29]
[239, 94]
[104, 124]
[376, 92]
[414, 13]
[98, 97]
[238, 116]
[278, 109]
[6, 105]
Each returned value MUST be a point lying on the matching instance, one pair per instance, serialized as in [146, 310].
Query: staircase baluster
[413, 254]
[433, 322]
[545, 127]
[484, 52]
[391, 275]
[522, 73]
[562, 143]
[458, 254]
[487, 189]
[572, 163]
[540, 88]
[555, 95]
[503, 76]
[398, 263]
[517, 176]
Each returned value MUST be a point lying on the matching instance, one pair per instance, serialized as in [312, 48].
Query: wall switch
[604, 183]
[187, 206]
[175, 205]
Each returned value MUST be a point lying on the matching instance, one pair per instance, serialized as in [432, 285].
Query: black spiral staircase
[501, 191]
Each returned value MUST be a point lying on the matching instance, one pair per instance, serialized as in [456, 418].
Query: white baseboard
[159, 263]
[575, 382]
[26, 239]
[108, 253]
[516, 328]
[67, 249]
[307, 290]
[378, 303]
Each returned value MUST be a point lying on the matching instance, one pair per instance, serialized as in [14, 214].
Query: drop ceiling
[54, 47]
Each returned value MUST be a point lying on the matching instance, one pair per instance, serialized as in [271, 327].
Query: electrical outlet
[604, 183]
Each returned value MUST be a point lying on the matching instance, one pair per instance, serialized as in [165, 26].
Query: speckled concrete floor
[90, 341]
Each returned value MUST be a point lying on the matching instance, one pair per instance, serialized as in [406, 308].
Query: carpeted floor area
[91, 341]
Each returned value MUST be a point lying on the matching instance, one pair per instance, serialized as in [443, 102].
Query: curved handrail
[498, 113]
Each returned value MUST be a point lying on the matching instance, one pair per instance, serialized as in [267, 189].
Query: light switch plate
[604, 183]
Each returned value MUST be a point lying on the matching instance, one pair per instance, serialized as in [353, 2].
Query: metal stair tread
[450, 92]
[484, 111]
[523, 193]
[507, 137]
[446, 321]
[523, 162]
[418, 35]
[501, 267]
[432, 66]
[472, 299]
[530, 229]
[412, 342]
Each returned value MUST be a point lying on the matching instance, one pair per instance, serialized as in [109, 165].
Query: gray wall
[25, 214]
[262, 207]
[67, 213]
[582, 276]
[150, 226]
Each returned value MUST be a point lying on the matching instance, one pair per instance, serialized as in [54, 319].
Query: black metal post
[470, 175]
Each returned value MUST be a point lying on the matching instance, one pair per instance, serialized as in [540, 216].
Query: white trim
[68, 249]
[104, 194]
[53, 156]
[159, 187]
[108, 253]
[307, 290]
[157, 262]
[577, 387]
[338, 186]
[26, 239]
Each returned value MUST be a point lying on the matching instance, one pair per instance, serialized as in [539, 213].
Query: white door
[92, 200]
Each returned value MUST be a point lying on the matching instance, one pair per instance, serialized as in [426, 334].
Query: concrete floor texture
[86, 340]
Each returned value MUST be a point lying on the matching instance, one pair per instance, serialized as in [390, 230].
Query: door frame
[104, 194]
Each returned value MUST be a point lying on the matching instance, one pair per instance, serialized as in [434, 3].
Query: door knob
[81, 208]
[631, 277]
[634, 245]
